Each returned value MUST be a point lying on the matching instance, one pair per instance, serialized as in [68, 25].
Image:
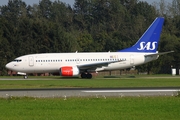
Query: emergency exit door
[31, 61]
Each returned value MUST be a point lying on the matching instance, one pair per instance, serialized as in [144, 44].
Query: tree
[175, 8]
[91, 25]
[5, 50]
[45, 8]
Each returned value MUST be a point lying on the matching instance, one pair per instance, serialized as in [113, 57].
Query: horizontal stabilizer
[162, 53]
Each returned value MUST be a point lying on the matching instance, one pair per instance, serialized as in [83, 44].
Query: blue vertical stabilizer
[149, 40]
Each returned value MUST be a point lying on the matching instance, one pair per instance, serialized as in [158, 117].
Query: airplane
[86, 63]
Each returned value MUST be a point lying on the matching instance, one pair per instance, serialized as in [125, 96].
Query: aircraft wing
[155, 54]
[95, 65]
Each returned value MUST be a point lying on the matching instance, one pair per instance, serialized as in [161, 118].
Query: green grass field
[126, 108]
[90, 108]
[58, 82]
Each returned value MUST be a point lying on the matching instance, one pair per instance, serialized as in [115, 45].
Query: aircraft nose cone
[8, 66]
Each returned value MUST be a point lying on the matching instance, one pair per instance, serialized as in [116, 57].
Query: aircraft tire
[25, 77]
[83, 75]
[89, 76]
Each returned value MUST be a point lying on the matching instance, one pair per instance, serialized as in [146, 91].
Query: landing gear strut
[25, 77]
[86, 75]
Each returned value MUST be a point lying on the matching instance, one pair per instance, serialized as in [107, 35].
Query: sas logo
[147, 46]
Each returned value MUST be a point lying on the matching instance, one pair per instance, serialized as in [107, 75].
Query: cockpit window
[17, 60]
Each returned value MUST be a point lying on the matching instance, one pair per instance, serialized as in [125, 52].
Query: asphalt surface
[90, 92]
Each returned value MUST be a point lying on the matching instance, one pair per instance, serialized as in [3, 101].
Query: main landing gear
[86, 75]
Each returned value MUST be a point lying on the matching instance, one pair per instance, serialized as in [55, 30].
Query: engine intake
[69, 71]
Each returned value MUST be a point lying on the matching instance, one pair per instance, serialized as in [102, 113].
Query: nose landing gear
[25, 77]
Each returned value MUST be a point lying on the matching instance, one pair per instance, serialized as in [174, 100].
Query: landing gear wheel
[83, 75]
[25, 77]
[89, 76]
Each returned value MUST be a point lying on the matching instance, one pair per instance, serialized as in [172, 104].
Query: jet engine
[69, 71]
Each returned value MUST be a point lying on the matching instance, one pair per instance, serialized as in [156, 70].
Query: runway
[90, 92]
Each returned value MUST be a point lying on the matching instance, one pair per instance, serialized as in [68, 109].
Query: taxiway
[90, 92]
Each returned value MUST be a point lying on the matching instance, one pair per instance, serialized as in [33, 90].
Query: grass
[58, 82]
[128, 108]
[89, 108]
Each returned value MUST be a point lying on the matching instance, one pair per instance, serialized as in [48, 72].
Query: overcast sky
[71, 2]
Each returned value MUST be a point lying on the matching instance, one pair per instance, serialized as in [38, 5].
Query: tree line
[87, 26]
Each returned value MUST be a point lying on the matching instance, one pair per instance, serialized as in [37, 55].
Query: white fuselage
[52, 62]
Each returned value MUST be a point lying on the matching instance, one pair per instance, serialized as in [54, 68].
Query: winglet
[149, 40]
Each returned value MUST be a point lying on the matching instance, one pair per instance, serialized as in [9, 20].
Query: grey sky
[71, 2]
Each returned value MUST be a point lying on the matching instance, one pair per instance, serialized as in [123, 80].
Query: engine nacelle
[69, 71]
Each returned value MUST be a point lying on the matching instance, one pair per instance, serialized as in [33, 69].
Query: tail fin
[149, 40]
